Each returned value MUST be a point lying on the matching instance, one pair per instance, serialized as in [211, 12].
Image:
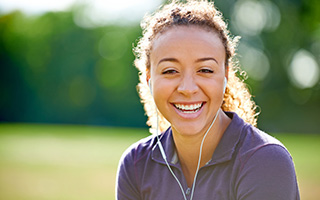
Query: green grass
[48, 162]
[305, 149]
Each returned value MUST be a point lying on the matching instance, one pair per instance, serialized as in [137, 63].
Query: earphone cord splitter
[165, 157]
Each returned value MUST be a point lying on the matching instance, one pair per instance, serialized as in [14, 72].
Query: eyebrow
[168, 60]
[177, 61]
[207, 58]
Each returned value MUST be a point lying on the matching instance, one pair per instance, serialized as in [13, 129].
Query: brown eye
[169, 71]
[206, 71]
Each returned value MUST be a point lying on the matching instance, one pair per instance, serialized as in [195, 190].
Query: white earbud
[225, 84]
[149, 83]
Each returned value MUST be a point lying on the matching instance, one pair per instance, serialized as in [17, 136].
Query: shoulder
[138, 150]
[258, 149]
[265, 167]
[247, 139]
[253, 140]
[127, 182]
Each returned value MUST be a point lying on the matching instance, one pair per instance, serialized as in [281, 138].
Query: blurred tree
[283, 106]
[53, 71]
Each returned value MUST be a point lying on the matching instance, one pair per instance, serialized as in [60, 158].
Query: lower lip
[191, 115]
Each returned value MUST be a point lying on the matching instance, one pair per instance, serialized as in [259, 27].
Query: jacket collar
[223, 152]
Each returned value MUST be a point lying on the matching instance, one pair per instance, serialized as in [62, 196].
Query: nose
[187, 85]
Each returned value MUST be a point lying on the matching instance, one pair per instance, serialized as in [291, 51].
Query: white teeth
[188, 108]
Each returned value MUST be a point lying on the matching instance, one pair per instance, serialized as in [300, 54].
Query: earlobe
[148, 77]
[225, 78]
[227, 72]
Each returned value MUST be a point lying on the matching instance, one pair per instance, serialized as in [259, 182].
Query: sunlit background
[70, 62]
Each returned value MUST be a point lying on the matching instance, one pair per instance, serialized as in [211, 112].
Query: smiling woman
[237, 98]
[209, 147]
[187, 69]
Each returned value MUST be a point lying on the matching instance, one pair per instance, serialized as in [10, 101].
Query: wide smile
[188, 108]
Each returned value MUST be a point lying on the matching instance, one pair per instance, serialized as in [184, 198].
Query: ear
[226, 72]
[148, 76]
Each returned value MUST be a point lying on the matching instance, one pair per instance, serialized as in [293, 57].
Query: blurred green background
[73, 64]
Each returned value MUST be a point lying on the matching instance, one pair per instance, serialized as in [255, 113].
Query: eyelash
[169, 71]
[172, 71]
[206, 71]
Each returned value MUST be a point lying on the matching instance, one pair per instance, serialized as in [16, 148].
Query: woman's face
[187, 77]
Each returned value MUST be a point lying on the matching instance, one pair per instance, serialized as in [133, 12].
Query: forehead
[187, 40]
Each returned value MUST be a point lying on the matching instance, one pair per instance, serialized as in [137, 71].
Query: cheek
[216, 95]
[162, 91]
[212, 89]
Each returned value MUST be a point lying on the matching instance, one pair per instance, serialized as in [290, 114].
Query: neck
[188, 147]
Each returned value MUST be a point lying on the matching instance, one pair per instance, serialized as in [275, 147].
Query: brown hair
[200, 13]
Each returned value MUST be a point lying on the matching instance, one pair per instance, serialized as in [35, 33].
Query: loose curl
[203, 14]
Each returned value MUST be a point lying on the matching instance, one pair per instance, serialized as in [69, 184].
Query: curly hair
[237, 97]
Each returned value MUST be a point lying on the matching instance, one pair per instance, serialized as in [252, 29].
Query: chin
[188, 130]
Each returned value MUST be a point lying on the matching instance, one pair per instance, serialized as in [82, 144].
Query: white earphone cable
[165, 158]
[200, 153]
